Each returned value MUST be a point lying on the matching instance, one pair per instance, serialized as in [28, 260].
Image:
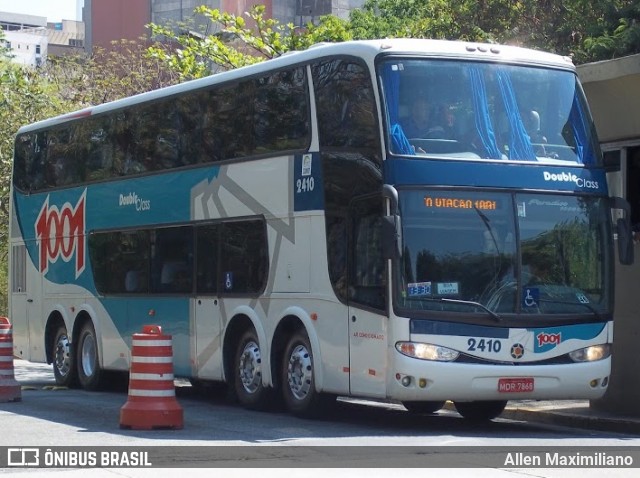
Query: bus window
[243, 257]
[346, 107]
[120, 261]
[172, 260]
[207, 260]
[367, 273]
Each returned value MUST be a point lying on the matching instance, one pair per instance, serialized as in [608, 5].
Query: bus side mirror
[623, 229]
[391, 237]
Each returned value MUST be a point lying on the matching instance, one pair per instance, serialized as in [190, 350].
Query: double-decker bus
[406, 220]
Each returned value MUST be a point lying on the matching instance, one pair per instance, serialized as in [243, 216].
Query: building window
[37, 49]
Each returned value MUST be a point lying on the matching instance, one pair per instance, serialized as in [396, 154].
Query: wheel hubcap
[300, 372]
[250, 368]
[63, 355]
[88, 356]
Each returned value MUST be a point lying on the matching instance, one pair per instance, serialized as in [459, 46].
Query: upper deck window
[473, 111]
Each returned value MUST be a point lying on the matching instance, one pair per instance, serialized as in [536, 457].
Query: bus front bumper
[417, 380]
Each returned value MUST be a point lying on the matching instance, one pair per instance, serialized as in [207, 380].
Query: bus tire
[423, 407]
[298, 379]
[480, 410]
[64, 364]
[247, 365]
[88, 362]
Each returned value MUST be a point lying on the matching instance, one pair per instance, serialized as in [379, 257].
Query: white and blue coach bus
[406, 220]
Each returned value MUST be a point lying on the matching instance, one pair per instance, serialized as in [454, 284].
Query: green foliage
[123, 70]
[25, 97]
[239, 42]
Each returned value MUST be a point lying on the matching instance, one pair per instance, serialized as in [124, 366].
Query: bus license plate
[515, 385]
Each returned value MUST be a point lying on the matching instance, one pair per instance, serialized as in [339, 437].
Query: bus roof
[366, 49]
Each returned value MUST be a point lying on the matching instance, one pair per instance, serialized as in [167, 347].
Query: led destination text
[460, 203]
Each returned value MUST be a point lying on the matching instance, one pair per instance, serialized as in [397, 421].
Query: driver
[420, 124]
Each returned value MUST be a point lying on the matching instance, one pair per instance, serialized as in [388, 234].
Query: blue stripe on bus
[545, 338]
[406, 172]
[430, 327]
[116, 204]
[130, 314]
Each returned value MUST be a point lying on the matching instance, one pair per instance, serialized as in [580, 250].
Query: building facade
[30, 39]
[112, 20]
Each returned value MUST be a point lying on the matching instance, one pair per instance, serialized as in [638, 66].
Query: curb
[575, 417]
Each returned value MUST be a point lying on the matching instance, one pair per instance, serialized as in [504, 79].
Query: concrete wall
[612, 88]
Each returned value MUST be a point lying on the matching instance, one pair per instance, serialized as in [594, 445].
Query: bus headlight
[591, 354]
[427, 351]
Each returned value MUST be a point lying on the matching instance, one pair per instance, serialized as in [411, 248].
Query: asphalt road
[355, 435]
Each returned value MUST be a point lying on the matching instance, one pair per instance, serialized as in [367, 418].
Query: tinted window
[162, 260]
[172, 260]
[207, 265]
[120, 261]
[257, 116]
[367, 268]
[346, 106]
[243, 257]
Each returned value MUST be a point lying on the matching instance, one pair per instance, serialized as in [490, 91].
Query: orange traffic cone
[152, 400]
[9, 389]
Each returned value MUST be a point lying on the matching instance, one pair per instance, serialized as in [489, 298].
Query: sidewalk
[571, 413]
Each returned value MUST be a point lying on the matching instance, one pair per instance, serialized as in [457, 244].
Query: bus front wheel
[64, 369]
[89, 370]
[248, 363]
[480, 410]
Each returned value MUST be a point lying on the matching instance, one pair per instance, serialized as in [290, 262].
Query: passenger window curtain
[485, 134]
[577, 121]
[391, 79]
[519, 140]
[584, 151]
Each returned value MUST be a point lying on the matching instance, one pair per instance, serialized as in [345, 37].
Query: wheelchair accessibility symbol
[530, 297]
[228, 280]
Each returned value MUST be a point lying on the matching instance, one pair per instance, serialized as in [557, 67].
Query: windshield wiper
[493, 315]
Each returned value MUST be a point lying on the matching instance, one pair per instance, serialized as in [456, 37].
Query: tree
[28, 95]
[238, 42]
[123, 70]
[25, 97]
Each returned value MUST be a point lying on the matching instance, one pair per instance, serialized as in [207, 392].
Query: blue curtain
[484, 128]
[584, 151]
[577, 121]
[519, 141]
[399, 142]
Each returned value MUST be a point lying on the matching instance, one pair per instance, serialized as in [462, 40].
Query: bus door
[21, 301]
[208, 344]
[368, 323]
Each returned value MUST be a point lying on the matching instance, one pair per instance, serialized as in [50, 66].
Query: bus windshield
[509, 253]
[472, 110]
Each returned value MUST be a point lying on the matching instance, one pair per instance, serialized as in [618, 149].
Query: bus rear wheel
[89, 370]
[298, 379]
[64, 366]
[423, 407]
[480, 410]
[247, 365]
